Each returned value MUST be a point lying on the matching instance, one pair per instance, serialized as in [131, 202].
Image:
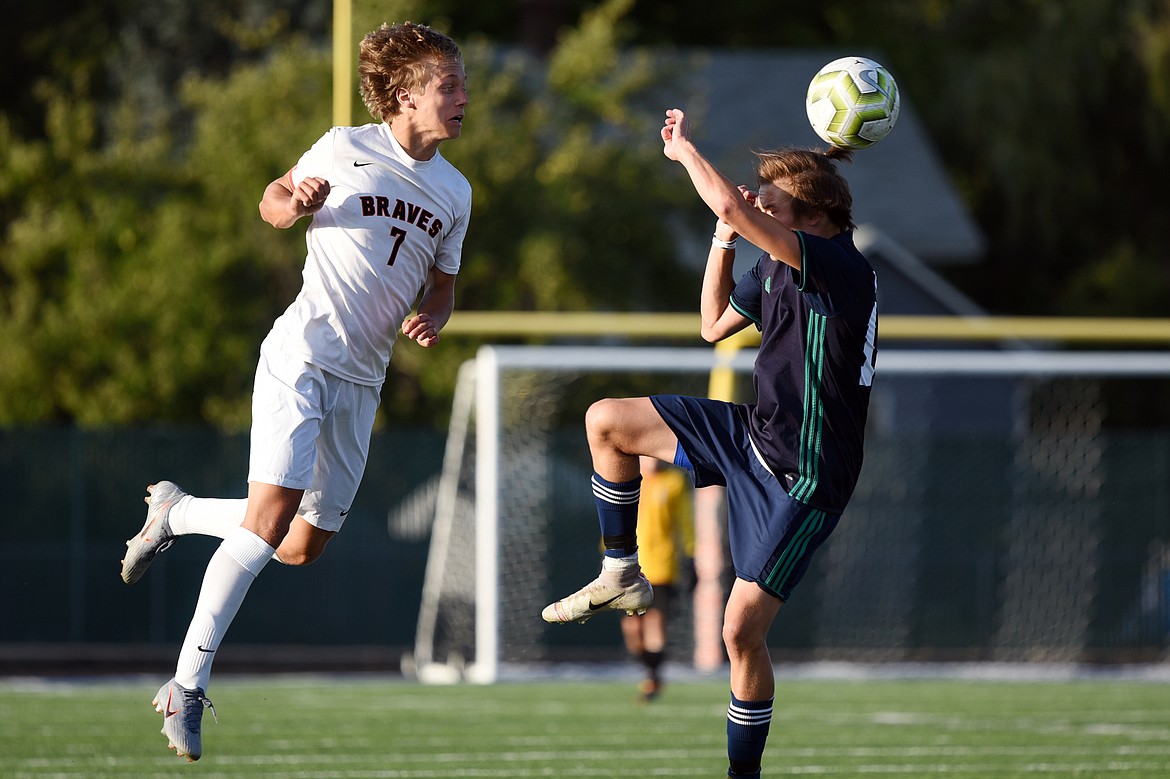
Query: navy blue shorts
[772, 536]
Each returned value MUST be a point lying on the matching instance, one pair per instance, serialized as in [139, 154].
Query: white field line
[778, 758]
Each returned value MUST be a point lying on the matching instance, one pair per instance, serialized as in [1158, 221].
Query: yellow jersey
[666, 524]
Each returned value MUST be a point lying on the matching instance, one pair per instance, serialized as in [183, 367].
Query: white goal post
[470, 627]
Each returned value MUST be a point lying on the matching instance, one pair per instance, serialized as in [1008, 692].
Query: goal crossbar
[900, 361]
[609, 324]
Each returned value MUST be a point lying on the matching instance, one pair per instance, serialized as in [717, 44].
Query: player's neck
[414, 142]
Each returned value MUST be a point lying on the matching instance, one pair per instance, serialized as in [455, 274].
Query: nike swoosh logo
[345, 512]
[357, 164]
[598, 606]
[201, 649]
[168, 711]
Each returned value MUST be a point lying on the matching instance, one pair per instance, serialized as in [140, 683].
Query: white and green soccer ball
[852, 102]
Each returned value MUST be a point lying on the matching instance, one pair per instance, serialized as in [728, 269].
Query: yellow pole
[722, 381]
[342, 62]
[544, 324]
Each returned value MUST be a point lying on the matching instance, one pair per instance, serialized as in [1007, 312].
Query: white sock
[620, 571]
[230, 572]
[207, 516]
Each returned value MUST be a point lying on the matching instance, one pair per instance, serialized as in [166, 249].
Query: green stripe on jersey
[812, 424]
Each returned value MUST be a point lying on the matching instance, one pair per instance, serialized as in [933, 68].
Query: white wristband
[722, 244]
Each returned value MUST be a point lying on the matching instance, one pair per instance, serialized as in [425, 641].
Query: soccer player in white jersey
[389, 215]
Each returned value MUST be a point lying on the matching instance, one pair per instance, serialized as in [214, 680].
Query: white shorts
[310, 431]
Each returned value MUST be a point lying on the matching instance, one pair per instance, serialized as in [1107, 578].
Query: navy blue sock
[747, 732]
[617, 511]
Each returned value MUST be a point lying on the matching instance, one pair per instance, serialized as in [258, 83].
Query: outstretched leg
[230, 573]
[156, 535]
[171, 512]
[618, 431]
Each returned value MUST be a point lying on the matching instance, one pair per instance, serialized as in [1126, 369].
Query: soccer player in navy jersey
[791, 459]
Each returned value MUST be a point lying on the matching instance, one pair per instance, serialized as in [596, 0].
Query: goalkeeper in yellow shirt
[666, 550]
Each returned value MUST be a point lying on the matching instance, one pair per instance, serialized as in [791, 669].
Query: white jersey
[387, 220]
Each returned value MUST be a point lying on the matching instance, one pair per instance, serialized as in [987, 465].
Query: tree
[1054, 119]
[139, 279]
[136, 279]
[136, 283]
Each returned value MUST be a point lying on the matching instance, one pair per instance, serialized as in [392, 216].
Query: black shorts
[772, 536]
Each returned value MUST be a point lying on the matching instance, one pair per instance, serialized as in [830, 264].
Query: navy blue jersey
[815, 366]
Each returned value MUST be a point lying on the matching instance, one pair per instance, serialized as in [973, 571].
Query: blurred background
[1025, 178]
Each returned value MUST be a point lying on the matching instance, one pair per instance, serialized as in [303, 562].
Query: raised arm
[724, 198]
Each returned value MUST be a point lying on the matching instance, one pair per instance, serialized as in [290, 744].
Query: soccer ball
[852, 102]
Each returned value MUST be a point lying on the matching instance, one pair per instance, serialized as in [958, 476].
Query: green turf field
[381, 727]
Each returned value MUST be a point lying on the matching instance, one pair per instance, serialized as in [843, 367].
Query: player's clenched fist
[421, 328]
[675, 131]
[285, 202]
[309, 195]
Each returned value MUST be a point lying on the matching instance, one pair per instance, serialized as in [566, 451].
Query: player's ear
[405, 99]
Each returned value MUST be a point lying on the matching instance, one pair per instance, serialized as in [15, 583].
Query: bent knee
[298, 553]
[303, 543]
[619, 421]
[296, 556]
[602, 416]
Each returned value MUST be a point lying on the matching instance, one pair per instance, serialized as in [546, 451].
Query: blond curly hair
[396, 56]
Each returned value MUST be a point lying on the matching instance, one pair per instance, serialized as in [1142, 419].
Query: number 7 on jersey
[397, 233]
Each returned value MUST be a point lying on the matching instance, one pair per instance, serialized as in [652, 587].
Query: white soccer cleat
[182, 711]
[156, 535]
[598, 596]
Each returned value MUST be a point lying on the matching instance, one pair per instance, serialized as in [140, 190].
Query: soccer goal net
[1013, 506]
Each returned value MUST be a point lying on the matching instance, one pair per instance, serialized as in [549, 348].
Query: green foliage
[578, 193]
[138, 278]
[570, 192]
[1062, 125]
[1122, 280]
[1053, 117]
